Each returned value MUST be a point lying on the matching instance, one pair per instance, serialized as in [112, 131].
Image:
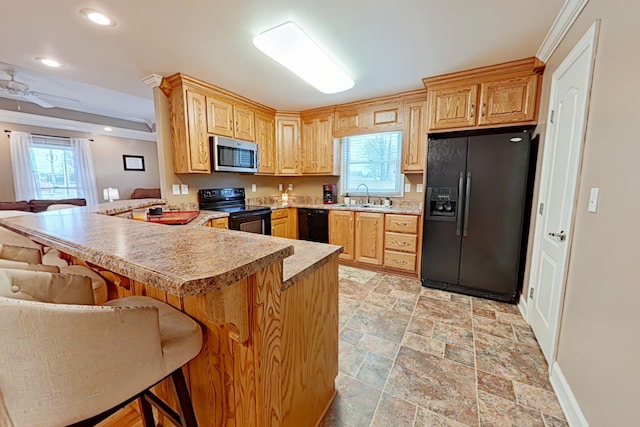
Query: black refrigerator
[475, 206]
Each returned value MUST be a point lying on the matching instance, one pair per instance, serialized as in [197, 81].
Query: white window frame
[55, 143]
[398, 191]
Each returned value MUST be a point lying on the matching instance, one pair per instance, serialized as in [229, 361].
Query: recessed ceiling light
[97, 17]
[49, 62]
[291, 47]
[108, 129]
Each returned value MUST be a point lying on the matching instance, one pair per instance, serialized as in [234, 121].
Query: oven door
[259, 223]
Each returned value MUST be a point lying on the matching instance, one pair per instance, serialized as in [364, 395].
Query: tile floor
[413, 356]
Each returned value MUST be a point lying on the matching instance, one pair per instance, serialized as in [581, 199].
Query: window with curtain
[52, 168]
[373, 160]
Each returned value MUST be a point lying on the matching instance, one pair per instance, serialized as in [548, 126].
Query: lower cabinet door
[280, 227]
[369, 238]
[341, 232]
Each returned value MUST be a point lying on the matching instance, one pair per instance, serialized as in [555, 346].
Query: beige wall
[107, 158]
[266, 185]
[599, 340]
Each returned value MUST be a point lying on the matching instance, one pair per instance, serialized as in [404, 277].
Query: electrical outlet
[407, 188]
[280, 187]
[418, 188]
[254, 188]
[175, 189]
[290, 187]
[184, 188]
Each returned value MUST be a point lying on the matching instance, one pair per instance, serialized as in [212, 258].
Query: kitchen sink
[361, 206]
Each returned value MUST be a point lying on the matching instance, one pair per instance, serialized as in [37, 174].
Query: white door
[570, 87]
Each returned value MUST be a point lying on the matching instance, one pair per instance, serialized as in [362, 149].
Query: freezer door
[496, 181]
[446, 160]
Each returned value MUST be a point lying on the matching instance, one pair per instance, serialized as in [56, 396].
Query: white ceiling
[387, 47]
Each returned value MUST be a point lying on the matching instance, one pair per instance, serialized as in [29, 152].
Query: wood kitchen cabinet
[401, 242]
[317, 146]
[369, 238]
[281, 223]
[288, 144]
[379, 115]
[414, 137]
[341, 232]
[266, 140]
[500, 95]
[219, 223]
[198, 111]
[228, 119]
[191, 152]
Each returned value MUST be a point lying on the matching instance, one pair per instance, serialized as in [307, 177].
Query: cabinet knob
[484, 109]
[473, 111]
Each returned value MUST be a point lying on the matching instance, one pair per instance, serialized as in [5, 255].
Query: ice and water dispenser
[442, 203]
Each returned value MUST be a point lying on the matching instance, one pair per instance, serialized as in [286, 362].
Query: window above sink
[373, 160]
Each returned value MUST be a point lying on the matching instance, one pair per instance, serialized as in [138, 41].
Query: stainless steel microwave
[231, 155]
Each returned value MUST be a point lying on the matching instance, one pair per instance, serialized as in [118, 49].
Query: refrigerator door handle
[459, 204]
[466, 206]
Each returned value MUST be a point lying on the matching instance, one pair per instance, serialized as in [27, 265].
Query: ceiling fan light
[292, 48]
[49, 62]
[97, 17]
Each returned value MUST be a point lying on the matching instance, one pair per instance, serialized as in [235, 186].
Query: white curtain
[23, 183]
[85, 175]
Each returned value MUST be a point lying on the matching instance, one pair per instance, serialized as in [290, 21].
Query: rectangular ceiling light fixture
[291, 47]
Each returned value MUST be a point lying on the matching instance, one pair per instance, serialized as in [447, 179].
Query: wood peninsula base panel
[284, 373]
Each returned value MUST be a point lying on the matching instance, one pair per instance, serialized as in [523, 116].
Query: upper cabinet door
[199, 160]
[244, 121]
[219, 117]
[324, 145]
[453, 107]
[508, 101]
[414, 138]
[265, 138]
[288, 146]
[308, 146]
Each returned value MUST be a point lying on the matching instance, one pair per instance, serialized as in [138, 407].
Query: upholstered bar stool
[65, 362]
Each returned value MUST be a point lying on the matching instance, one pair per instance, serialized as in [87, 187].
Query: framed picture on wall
[133, 163]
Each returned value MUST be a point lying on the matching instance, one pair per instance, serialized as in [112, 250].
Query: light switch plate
[175, 189]
[290, 187]
[418, 188]
[593, 199]
[407, 188]
[254, 188]
[280, 188]
[184, 188]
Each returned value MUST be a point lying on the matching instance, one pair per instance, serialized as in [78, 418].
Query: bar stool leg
[146, 412]
[187, 416]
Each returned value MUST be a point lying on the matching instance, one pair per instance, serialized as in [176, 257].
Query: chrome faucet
[366, 188]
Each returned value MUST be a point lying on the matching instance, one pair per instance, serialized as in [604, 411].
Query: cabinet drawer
[401, 223]
[279, 213]
[219, 223]
[400, 242]
[400, 261]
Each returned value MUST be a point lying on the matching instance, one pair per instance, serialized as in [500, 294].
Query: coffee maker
[329, 193]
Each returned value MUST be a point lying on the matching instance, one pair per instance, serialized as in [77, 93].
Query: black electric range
[253, 219]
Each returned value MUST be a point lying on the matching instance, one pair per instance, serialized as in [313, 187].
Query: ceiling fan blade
[57, 101]
[36, 100]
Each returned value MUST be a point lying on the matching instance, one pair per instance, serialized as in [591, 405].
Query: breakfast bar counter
[268, 306]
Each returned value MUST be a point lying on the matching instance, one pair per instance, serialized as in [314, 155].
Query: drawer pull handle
[400, 262]
[395, 242]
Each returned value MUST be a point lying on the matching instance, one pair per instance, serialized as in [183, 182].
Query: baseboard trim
[565, 19]
[567, 400]
[523, 307]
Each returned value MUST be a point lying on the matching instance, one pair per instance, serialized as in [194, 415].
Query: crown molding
[152, 80]
[73, 125]
[565, 19]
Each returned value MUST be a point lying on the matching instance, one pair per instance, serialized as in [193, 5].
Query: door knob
[559, 235]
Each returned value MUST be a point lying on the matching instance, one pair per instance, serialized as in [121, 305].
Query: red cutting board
[173, 218]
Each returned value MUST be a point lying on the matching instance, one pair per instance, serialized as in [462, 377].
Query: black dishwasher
[313, 225]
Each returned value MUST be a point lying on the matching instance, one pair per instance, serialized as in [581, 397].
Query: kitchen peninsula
[268, 306]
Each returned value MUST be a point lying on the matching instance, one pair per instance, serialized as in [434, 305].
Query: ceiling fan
[11, 88]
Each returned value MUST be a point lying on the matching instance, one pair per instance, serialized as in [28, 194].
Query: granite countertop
[138, 249]
[181, 260]
[401, 210]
